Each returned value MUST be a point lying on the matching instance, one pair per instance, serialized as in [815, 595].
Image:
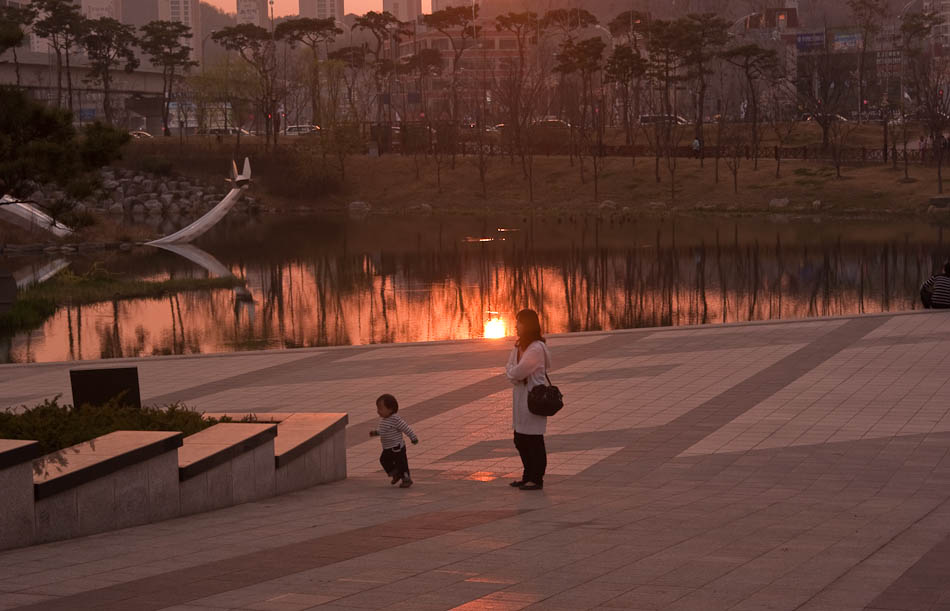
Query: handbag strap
[550, 383]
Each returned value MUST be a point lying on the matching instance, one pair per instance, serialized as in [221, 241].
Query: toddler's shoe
[396, 477]
[406, 482]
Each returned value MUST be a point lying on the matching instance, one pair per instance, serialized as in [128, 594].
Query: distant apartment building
[94, 9]
[188, 13]
[138, 12]
[322, 9]
[253, 11]
[404, 10]
[438, 5]
[942, 9]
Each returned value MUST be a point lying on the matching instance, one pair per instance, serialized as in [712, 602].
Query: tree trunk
[106, 99]
[16, 66]
[59, 78]
[69, 82]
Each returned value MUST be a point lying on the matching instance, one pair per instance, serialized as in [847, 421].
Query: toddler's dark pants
[534, 457]
[395, 459]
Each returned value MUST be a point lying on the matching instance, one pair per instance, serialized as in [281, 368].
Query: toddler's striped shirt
[391, 429]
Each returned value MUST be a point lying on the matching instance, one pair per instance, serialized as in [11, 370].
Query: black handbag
[545, 400]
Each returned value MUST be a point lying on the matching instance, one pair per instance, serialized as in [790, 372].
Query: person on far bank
[527, 365]
[390, 430]
[935, 293]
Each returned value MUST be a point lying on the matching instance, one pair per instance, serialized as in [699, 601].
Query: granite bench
[121, 479]
[310, 449]
[17, 527]
[226, 464]
[128, 478]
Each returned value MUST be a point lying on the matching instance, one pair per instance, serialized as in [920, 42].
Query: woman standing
[527, 366]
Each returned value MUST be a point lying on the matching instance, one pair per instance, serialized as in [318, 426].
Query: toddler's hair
[389, 402]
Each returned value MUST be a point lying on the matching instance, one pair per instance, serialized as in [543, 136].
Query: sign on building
[810, 42]
[846, 41]
[889, 61]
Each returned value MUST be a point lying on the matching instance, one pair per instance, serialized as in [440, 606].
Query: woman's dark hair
[389, 402]
[530, 328]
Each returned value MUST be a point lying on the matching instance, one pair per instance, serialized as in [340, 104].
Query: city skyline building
[187, 12]
[94, 9]
[253, 11]
[404, 10]
[942, 9]
[322, 9]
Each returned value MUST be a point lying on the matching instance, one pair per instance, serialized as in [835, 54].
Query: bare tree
[929, 75]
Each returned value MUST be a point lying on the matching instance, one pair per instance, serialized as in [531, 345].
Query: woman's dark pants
[534, 457]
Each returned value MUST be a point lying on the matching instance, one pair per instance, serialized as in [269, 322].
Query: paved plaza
[793, 465]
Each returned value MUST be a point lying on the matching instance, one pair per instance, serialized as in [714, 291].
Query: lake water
[325, 280]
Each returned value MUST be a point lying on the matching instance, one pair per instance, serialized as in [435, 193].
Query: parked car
[223, 131]
[139, 134]
[811, 117]
[302, 130]
[654, 119]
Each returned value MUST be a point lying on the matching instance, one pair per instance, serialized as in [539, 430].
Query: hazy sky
[291, 7]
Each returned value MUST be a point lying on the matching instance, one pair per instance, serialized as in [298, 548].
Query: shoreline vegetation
[58, 426]
[416, 184]
[34, 305]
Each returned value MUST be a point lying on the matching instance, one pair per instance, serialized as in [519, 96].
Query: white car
[302, 130]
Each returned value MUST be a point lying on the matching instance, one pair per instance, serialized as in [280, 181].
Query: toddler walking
[390, 430]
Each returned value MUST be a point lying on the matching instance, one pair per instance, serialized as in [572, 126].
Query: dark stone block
[99, 386]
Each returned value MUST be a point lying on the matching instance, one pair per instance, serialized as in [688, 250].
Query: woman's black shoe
[530, 486]
[517, 484]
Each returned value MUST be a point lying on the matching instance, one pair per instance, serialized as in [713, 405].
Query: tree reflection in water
[361, 289]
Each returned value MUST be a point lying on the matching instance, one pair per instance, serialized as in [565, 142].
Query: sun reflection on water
[495, 328]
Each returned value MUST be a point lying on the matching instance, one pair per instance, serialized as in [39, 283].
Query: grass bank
[295, 177]
[35, 304]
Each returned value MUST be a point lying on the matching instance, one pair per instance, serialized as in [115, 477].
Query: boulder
[172, 210]
[153, 207]
[778, 203]
[167, 198]
[37, 196]
[110, 185]
[138, 179]
[138, 209]
[359, 210]
[116, 208]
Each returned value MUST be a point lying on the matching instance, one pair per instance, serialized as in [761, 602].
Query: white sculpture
[207, 261]
[30, 217]
[31, 275]
[199, 227]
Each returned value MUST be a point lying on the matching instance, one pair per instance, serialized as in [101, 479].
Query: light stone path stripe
[646, 450]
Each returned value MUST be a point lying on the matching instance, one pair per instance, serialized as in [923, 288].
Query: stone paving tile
[782, 465]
